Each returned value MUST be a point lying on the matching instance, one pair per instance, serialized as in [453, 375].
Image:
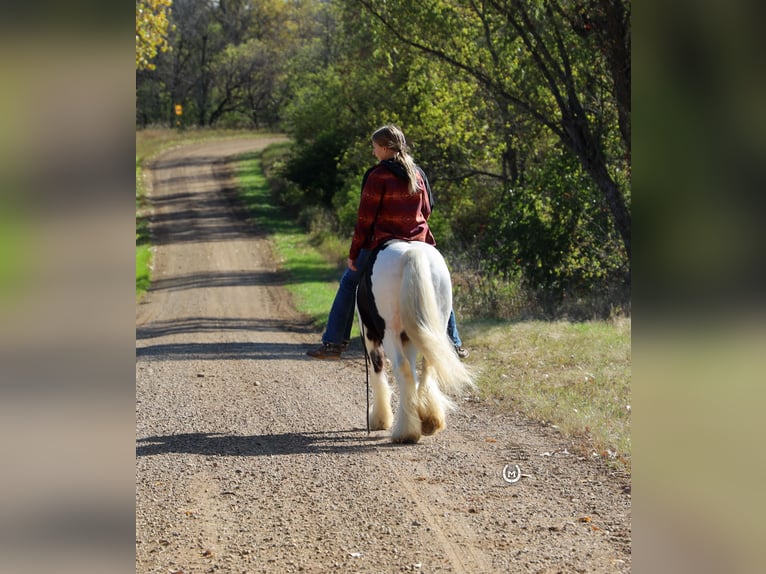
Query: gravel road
[251, 457]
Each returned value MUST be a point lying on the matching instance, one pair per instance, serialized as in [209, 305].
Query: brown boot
[462, 352]
[326, 351]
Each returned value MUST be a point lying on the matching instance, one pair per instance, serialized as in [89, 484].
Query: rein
[366, 374]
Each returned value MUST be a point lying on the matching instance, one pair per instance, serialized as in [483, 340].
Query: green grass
[143, 247]
[143, 266]
[16, 245]
[312, 280]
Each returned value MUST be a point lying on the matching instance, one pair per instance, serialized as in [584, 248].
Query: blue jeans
[452, 330]
[341, 317]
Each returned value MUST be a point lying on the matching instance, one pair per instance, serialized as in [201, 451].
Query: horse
[403, 303]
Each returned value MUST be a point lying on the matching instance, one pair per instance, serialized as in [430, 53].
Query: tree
[226, 62]
[245, 83]
[152, 27]
[561, 64]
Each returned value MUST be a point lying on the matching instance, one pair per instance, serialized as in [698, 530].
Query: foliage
[227, 66]
[540, 63]
[556, 230]
[244, 83]
[152, 27]
[513, 117]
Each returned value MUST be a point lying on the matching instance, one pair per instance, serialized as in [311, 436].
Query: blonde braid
[391, 137]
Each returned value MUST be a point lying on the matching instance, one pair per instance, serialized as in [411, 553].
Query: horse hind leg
[380, 415]
[407, 428]
[432, 403]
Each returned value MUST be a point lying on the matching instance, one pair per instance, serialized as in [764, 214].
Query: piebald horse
[404, 302]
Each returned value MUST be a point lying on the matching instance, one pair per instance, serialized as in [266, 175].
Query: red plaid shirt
[387, 210]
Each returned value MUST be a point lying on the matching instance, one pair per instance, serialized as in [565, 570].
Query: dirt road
[251, 457]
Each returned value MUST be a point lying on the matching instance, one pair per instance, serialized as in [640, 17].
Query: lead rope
[367, 376]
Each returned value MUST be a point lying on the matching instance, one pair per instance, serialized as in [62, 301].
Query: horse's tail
[426, 328]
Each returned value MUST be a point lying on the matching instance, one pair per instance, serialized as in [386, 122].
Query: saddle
[365, 300]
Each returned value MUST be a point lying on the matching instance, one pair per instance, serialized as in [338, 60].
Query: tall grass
[572, 375]
[480, 292]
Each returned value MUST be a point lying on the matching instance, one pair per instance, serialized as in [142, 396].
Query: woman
[395, 204]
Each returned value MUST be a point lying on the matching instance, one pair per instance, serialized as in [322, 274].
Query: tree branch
[482, 77]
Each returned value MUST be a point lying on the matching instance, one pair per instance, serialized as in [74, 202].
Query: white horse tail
[426, 325]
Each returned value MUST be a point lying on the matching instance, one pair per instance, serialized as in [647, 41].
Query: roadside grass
[16, 242]
[574, 376]
[312, 280]
[149, 143]
[143, 267]
[143, 239]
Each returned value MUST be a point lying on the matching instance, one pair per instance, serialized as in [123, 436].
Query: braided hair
[391, 137]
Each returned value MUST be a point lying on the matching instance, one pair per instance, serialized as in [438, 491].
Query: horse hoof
[380, 424]
[410, 439]
[430, 426]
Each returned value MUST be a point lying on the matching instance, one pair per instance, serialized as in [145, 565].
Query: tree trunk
[203, 86]
[615, 201]
[581, 140]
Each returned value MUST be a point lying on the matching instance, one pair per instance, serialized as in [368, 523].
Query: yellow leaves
[152, 27]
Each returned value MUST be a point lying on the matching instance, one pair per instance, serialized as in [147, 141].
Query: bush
[313, 167]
